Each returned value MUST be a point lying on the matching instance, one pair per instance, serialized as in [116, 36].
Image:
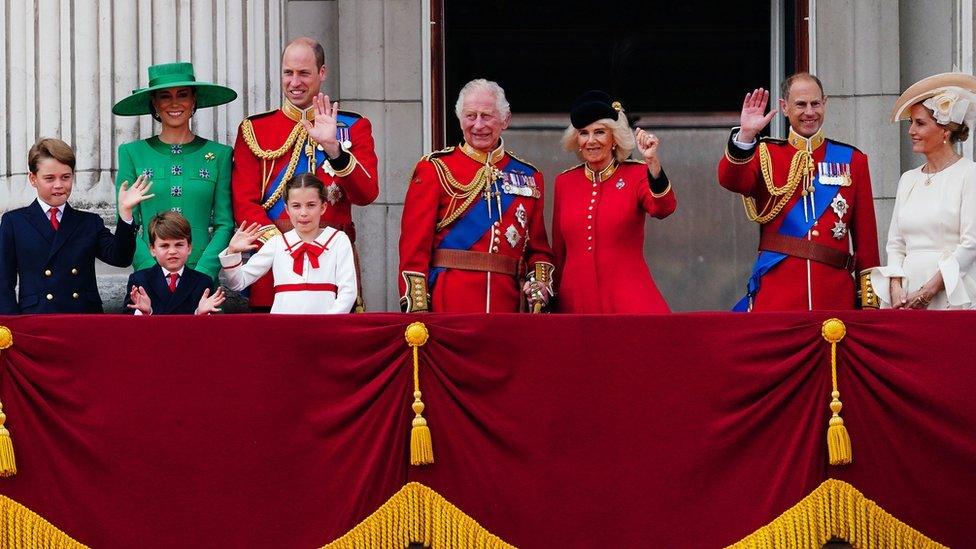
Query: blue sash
[794, 225]
[344, 123]
[474, 223]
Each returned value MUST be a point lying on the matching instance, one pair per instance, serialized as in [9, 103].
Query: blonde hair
[623, 137]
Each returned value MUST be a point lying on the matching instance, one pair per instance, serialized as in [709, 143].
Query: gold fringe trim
[25, 529]
[418, 514]
[421, 446]
[836, 509]
[838, 440]
[8, 461]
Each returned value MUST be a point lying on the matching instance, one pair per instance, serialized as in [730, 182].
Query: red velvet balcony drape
[686, 430]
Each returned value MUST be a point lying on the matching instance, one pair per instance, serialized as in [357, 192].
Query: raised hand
[647, 144]
[140, 300]
[210, 303]
[754, 117]
[323, 130]
[130, 197]
[244, 237]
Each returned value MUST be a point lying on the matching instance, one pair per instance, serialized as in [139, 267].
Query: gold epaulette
[262, 114]
[352, 113]
[435, 154]
[567, 170]
[632, 161]
[773, 140]
[513, 155]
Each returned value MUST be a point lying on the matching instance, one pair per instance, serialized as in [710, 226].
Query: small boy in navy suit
[170, 287]
[51, 247]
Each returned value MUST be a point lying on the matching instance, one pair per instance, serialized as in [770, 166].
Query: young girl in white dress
[313, 266]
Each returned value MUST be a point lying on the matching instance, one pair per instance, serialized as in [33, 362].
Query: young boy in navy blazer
[170, 287]
[51, 247]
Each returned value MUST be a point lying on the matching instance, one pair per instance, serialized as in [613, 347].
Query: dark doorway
[655, 57]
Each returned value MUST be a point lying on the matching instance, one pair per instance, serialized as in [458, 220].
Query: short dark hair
[305, 181]
[169, 226]
[788, 83]
[312, 43]
[49, 147]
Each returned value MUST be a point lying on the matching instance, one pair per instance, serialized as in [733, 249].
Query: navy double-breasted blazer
[183, 301]
[56, 269]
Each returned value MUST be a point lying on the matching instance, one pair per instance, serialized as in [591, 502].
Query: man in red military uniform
[812, 198]
[307, 134]
[473, 237]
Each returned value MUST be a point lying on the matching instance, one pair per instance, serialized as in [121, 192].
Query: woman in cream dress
[932, 238]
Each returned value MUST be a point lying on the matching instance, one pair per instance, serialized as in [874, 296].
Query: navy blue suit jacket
[57, 268]
[183, 301]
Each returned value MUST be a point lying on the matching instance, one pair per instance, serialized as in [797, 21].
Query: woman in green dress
[191, 175]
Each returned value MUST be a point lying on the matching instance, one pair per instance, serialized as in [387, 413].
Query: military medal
[512, 235]
[839, 230]
[620, 184]
[837, 174]
[521, 216]
[333, 193]
[840, 206]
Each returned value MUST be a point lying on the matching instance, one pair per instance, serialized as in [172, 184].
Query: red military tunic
[797, 283]
[260, 156]
[445, 209]
[598, 238]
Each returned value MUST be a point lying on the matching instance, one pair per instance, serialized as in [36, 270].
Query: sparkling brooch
[512, 235]
[209, 157]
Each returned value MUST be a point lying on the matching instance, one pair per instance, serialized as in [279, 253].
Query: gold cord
[801, 167]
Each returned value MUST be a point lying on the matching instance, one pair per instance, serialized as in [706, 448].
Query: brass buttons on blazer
[815, 232]
[47, 272]
[74, 271]
[75, 295]
[50, 297]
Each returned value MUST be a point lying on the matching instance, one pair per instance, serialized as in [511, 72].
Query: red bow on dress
[306, 249]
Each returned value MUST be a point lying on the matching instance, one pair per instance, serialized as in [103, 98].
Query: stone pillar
[857, 50]
[379, 64]
[64, 81]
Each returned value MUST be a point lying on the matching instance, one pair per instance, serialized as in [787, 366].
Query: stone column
[858, 61]
[62, 82]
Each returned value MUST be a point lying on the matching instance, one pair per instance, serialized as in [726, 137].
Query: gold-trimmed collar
[295, 113]
[482, 158]
[603, 174]
[806, 144]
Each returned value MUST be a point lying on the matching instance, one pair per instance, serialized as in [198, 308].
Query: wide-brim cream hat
[930, 87]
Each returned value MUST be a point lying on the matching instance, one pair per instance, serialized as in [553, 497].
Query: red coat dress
[797, 283]
[435, 217]
[598, 238]
[350, 179]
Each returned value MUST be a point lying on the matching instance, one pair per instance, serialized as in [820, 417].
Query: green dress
[192, 179]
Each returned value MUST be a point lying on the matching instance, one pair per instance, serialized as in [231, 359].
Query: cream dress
[933, 229]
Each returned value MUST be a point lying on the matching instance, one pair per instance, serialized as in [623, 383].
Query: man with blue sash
[472, 237]
[307, 134]
[812, 199]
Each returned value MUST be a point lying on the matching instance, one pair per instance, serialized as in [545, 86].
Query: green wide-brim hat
[173, 75]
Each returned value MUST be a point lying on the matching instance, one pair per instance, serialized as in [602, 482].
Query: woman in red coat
[600, 207]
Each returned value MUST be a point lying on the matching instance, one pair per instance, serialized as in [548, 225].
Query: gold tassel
[838, 440]
[8, 462]
[421, 446]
